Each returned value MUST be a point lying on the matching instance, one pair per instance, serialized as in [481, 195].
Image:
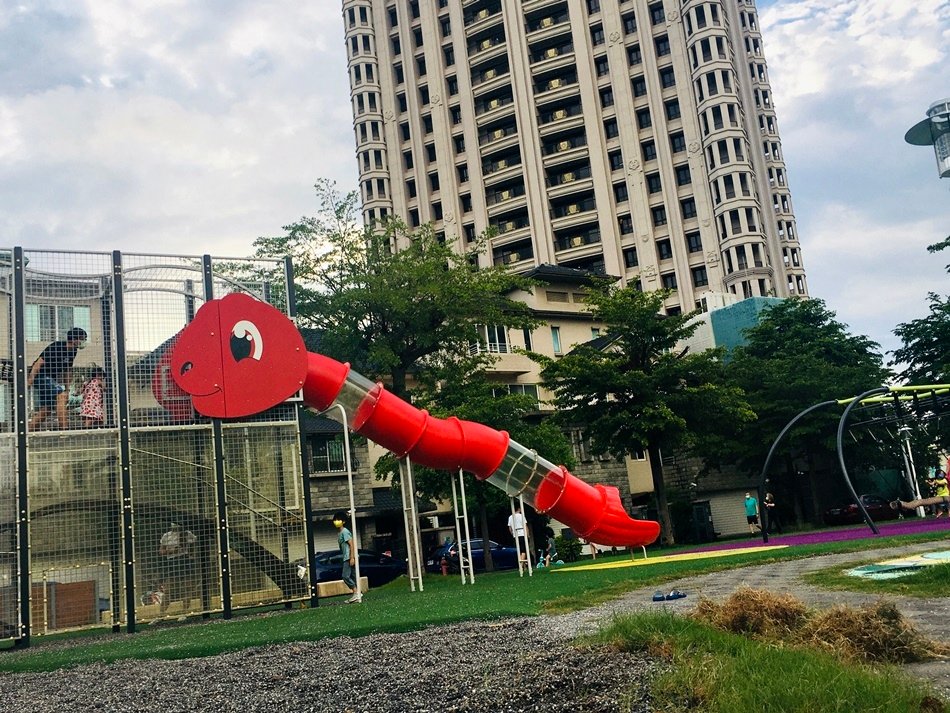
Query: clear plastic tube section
[594, 512]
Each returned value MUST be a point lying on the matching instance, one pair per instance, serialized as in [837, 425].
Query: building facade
[625, 137]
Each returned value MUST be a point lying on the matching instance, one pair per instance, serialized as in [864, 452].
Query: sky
[189, 128]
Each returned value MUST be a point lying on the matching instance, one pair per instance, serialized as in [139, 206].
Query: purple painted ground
[909, 526]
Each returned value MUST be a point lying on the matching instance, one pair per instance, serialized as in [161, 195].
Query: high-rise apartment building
[628, 137]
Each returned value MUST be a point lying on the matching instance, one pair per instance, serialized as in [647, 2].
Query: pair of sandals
[674, 594]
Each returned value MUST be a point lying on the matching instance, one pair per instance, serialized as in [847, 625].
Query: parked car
[502, 557]
[878, 508]
[378, 568]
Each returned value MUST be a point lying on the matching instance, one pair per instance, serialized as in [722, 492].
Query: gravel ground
[525, 664]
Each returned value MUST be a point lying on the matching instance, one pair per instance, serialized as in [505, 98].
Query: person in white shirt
[516, 528]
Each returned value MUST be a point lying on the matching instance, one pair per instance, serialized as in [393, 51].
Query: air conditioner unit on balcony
[563, 145]
[573, 209]
[567, 177]
[494, 103]
[513, 257]
[498, 133]
[551, 52]
[489, 74]
[547, 22]
[559, 114]
[485, 44]
[508, 225]
[577, 241]
[504, 195]
[500, 164]
[482, 14]
[555, 83]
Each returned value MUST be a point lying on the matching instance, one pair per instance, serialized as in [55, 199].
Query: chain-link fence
[118, 502]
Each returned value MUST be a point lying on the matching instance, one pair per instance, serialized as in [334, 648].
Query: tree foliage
[799, 355]
[390, 300]
[634, 390]
[924, 357]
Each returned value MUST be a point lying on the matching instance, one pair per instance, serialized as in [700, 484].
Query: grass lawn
[394, 608]
[719, 672]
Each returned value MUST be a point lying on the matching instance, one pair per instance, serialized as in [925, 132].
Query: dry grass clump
[754, 612]
[872, 633]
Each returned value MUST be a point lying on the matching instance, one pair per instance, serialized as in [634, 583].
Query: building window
[629, 23]
[700, 277]
[649, 150]
[664, 250]
[688, 208]
[634, 56]
[611, 130]
[601, 66]
[620, 192]
[672, 109]
[657, 16]
[597, 35]
[654, 184]
[625, 224]
[677, 142]
[658, 213]
[411, 188]
[449, 54]
[662, 44]
[682, 175]
[606, 98]
[630, 257]
[694, 242]
[326, 453]
[526, 333]
[46, 323]
[644, 121]
[639, 85]
[669, 281]
[556, 339]
[667, 78]
[616, 160]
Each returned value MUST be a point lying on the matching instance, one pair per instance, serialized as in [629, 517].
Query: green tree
[796, 356]
[924, 357]
[389, 300]
[399, 305]
[641, 391]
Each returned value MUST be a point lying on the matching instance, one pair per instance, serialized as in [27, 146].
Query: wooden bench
[336, 588]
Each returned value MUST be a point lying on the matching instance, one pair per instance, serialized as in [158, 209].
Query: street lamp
[934, 131]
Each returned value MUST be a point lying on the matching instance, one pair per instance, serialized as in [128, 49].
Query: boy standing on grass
[752, 513]
[345, 541]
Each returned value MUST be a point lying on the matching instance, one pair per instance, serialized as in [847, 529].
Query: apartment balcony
[491, 77]
[487, 48]
[482, 18]
[497, 135]
[562, 52]
[550, 88]
[567, 212]
[507, 196]
[487, 110]
[570, 240]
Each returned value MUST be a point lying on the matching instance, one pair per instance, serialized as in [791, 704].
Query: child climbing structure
[240, 356]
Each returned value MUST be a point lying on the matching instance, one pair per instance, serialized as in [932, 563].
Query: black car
[502, 557]
[379, 569]
[878, 508]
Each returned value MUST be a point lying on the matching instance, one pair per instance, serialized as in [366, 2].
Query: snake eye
[246, 341]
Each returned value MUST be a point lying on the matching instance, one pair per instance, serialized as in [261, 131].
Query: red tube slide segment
[240, 356]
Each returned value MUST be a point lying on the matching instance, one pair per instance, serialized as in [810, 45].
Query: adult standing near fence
[348, 552]
[50, 375]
